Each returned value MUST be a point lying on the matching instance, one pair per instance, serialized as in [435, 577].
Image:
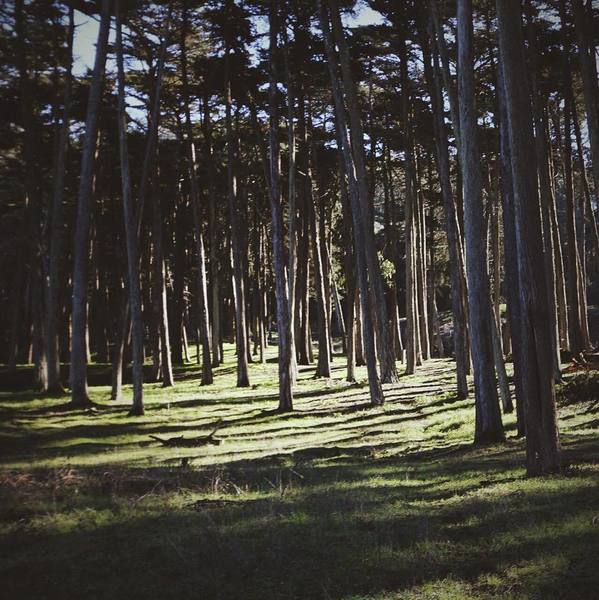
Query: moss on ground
[336, 500]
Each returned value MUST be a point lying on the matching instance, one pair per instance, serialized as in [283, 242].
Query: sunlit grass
[336, 500]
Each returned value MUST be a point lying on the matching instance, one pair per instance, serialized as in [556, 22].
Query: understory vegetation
[214, 494]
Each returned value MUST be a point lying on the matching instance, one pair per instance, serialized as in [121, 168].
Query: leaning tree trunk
[283, 319]
[130, 233]
[542, 439]
[359, 220]
[488, 426]
[79, 395]
[384, 341]
[452, 225]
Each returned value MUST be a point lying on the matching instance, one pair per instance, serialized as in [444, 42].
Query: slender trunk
[283, 318]
[160, 295]
[79, 395]
[583, 20]
[213, 233]
[545, 191]
[323, 367]
[53, 296]
[238, 283]
[201, 282]
[488, 425]
[130, 233]
[452, 226]
[359, 220]
[413, 347]
[386, 355]
[292, 197]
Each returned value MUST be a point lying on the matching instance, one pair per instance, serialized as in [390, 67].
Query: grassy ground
[337, 500]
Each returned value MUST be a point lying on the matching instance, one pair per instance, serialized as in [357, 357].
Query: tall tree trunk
[160, 294]
[56, 227]
[542, 440]
[384, 343]
[488, 426]
[452, 225]
[283, 318]
[583, 20]
[292, 197]
[130, 233]
[304, 189]
[213, 234]
[359, 220]
[239, 295]
[201, 283]
[323, 367]
[545, 190]
[413, 347]
[79, 395]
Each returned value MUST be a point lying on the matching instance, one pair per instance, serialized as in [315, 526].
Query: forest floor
[335, 500]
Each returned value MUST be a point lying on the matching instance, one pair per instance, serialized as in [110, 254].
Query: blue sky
[86, 32]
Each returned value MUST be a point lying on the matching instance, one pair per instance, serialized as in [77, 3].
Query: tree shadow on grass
[336, 533]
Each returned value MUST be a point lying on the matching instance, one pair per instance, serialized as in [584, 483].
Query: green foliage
[387, 269]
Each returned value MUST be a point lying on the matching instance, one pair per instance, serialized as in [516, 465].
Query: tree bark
[283, 318]
[201, 282]
[130, 233]
[488, 426]
[359, 220]
[383, 338]
[542, 440]
[79, 396]
[56, 227]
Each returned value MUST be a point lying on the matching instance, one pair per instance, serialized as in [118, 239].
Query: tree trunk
[213, 232]
[160, 298]
[359, 220]
[413, 347]
[239, 295]
[488, 426]
[79, 395]
[542, 440]
[283, 318]
[588, 68]
[201, 282]
[130, 233]
[545, 190]
[386, 354]
[56, 228]
[452, 226]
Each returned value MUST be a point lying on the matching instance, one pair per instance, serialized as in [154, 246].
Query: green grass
[336, 500]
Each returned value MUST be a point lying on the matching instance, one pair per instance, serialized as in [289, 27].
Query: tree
[542, 439]
[283, 319]
[79, 396]
[488, 417]
[130, 233]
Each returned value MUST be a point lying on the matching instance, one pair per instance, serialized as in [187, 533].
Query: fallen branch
[183, 442]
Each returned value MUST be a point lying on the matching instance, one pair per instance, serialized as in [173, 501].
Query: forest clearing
[299, 299]
[337, 499]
